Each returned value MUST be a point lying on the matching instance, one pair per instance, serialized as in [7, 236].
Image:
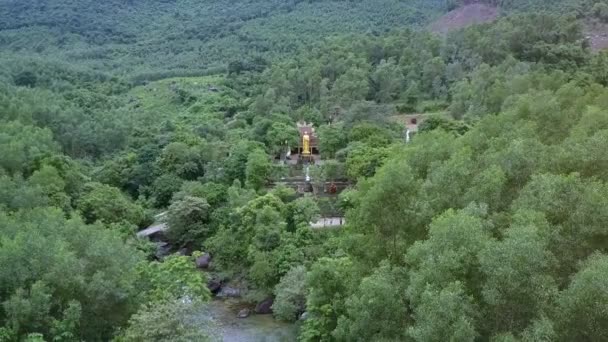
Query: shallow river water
[255, 328]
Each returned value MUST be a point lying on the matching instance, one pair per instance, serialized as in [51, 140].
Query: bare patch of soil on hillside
[464, 16]
[596, 34]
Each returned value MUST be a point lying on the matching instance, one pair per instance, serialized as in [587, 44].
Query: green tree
[302, 211]
[371, 134]
[258, 169]
[446, 314]
[329, 282]
[59, 264]
[563, 200]
[331, 139]
[167, 321]
[183, 160]
[377, 310]
[581, 312]
[280, 136]
[387, 212]
[363, 160]
[290, 295]
[107, 204]
[176, 277]
[215, 193]
[519, 286]
[600, 10]
[163, 188]
[350, 87]
[21, 146]
[449, 257]
[188, 220]
[387, 81]
[48, 179]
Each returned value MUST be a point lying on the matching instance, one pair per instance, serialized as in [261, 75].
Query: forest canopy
[466, 171]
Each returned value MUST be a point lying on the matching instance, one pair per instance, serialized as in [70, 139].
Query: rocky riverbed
[223, 314]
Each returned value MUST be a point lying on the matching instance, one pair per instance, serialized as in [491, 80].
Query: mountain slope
[151, 36]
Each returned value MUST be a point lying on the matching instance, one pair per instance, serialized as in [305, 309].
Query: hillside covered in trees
[473, 191]
[156, 38]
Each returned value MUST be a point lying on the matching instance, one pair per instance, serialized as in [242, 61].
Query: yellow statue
[306, 144]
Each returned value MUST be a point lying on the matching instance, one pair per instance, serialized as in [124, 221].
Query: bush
[168, 321]
[188, 220]
[290, 295]
[600, 10]
[109, 205]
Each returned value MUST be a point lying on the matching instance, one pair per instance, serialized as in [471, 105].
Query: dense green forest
[488, 225]
[158, 38]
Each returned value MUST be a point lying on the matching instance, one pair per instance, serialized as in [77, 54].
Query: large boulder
[264, 307]
[203, 261]
[214, 285]
[244, 313]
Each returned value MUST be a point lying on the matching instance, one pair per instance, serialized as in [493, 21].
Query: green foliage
[372, 135]
[209, 39]
[21, 146]
[167, 321]
[363, 160]
[444, 314]
[258, 169]
[302, 211]
[214, 193]
[394, 189]
[581, 303]
[181, 159]
[377, 310]
[163, 188]
[290, 295]
[488, 225]
[62, 272]
[331, 139]
[439, 122]
[280, 136]
[107, 204]
[53, 186]
[176, 277]
[519, 282]
[236, 163]
[188, 220]
[600, 10]
[328, 281]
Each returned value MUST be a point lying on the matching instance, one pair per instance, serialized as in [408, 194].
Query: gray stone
[244, 313]
[203, 261]
[214, 285]
[264, 307]
[162, 250]
[229, 292]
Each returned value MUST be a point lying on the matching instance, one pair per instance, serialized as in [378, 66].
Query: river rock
[264, 307]
[229, 292]
[304, 316]
[184, 251]
[214, 285]
[162, 250]
[244, 313]
[203, 261]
